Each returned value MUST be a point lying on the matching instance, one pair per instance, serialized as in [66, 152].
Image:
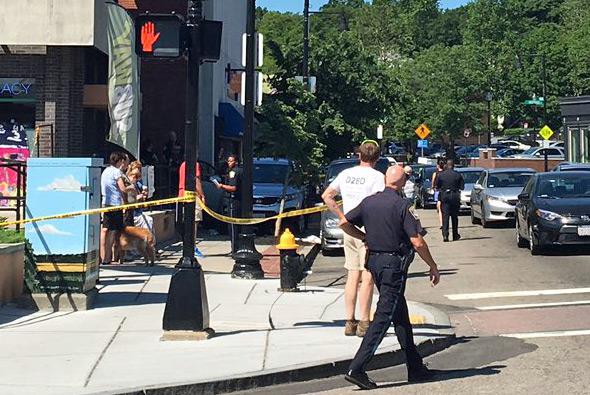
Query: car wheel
[534, 245]
[520, 241]
[484, 222]
[474, 220]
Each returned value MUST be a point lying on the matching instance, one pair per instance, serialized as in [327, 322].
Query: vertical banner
[123, 80]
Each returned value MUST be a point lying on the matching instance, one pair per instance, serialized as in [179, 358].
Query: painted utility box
[67, 250]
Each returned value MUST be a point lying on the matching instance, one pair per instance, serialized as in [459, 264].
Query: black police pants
[234, 230]
[391, 308]
[450, 205]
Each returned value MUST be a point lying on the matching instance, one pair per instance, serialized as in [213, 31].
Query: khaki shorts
[354, 253]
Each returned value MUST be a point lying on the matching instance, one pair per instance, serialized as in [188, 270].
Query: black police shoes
[361, 380]
[456, 237]
[421, 374]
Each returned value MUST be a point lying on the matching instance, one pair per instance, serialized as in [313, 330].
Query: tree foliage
[404, 62]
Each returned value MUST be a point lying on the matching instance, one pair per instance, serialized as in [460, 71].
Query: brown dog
[134, 238]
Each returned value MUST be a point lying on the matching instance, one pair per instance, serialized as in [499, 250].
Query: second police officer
[450, 184]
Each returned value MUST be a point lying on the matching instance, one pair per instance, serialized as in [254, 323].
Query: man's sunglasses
[370, 142]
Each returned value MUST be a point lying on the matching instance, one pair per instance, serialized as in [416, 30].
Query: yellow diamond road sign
[546, 132]
[422, 131]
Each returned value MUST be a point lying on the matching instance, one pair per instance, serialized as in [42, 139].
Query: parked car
[331, 235]
[558, 144]
[508, 152]
[515, 144]
[554, 209]
[496, 193]
[539, 152]
[270, 177]
[424, 194]
[470, 176]
[568, 166]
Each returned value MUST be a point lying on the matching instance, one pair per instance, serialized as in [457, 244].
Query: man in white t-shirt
[354, 185]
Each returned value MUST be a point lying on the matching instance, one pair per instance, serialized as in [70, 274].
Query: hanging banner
[123, 80]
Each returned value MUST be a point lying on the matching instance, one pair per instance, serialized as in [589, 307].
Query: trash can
[66, 250]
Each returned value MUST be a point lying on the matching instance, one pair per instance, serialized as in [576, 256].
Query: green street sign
[535, 102]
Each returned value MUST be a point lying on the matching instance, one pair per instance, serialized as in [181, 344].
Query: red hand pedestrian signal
[148, 37]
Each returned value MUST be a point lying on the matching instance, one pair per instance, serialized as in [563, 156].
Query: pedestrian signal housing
[159, 35]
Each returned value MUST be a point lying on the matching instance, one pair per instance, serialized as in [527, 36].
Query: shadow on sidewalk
[117, 299]
[443, 272]
[451, 374]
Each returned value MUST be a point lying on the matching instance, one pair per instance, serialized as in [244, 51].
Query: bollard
[294, 267]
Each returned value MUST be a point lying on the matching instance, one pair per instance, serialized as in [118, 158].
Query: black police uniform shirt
[387, 219]
[450, 180]
[233, 178]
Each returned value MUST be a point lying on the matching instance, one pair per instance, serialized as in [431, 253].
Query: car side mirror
[524, 196]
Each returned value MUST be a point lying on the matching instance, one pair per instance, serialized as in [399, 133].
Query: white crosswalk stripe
[508, 294]
[535, 335]
[532, 305]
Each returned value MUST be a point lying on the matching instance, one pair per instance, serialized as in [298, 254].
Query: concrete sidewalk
[262, 336]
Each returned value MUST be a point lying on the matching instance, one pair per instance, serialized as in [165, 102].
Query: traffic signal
[159, 35]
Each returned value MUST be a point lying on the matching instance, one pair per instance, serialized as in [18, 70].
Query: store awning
[233, 120]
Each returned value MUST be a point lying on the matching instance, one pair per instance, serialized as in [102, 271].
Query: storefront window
[574, 144]
[17, 128]
[585, 133]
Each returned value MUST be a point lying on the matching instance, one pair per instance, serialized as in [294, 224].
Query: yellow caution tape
[189, 196]
[255, 221]
[161, 202]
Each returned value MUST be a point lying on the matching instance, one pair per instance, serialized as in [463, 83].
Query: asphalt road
[522, 322]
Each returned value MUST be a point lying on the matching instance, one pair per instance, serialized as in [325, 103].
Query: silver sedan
[495, 194]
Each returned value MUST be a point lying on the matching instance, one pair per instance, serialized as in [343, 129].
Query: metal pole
[247, 259]
[306, 44]
[186, 306]
[544, 76]
[489, 122]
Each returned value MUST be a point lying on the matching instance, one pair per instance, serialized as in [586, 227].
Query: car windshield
[269, 173]
[530, 151]
[564, 186]
[335, 168]
[508, 180]
[470, 177]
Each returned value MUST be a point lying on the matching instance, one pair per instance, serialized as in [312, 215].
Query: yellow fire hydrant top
[287, 241]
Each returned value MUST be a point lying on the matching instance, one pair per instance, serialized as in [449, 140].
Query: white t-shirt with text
[357, 183]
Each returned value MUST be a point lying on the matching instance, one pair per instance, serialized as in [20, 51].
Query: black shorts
[113, 220]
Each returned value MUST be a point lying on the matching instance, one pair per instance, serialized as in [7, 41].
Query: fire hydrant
[294, 267]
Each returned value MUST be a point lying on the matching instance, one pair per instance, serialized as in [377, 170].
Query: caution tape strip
[188, 197]
[256, 221]
[161, 202]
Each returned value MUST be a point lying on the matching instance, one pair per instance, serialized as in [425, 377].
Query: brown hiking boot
[350, 327]
[362, 327]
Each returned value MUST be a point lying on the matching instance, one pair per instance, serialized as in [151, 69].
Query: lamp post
[489, 97]
[186, 308]
[306, 28]
[247, 259]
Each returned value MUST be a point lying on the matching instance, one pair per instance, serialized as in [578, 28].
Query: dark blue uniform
[233, 178]
[450, 184]
[389, 224]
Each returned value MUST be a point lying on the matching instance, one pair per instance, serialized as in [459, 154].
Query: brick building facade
[58, 75]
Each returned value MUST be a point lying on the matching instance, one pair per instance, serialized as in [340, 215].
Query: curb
[306, 373]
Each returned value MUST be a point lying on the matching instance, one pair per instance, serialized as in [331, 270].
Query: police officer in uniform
[450, 184]
[232, 184]
[392, 234]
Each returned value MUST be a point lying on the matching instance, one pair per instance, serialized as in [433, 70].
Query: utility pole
[544, 77]
[306, 44]
[187, 309]
[247, 259]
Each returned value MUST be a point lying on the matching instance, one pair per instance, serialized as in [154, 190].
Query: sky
[297, 5]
